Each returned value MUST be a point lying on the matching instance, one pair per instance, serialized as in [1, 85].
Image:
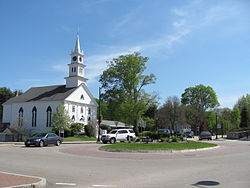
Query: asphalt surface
[83, 165]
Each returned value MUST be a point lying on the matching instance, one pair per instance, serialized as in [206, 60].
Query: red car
[205, 135]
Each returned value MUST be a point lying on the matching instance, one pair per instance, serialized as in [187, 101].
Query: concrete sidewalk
[8, 180]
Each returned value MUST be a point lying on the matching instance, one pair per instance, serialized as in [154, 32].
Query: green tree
[244, 106]
[244, 118]
[201, 98]
[211, 120]
[123, 82]
[5, 94]
[235, 117]
[61, 119]
[225, 117]
[171, 112]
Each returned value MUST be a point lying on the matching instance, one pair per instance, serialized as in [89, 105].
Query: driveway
[82, 165]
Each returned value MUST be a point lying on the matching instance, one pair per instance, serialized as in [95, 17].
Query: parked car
[189, 134]
[43, 139]
[118, 135]
[205, 135]
[165, 131]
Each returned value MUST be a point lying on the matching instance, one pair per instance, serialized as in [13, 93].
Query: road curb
[39, 184]
[159, 151]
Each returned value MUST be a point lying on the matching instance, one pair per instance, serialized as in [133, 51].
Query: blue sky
[189, 42]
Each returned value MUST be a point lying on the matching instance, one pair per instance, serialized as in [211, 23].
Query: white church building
[34, 108]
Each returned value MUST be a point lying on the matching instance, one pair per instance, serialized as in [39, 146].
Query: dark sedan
[205, 135]
[43, 139]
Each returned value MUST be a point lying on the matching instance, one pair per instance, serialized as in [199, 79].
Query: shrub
[138, 139]
[181, 138]
[162, 139]
[76, 128]
[89, 130]
[174, 138]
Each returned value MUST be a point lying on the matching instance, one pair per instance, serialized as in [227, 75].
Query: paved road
[82, 165]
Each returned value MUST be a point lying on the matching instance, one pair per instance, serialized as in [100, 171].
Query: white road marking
[67, 184]
[104, 185]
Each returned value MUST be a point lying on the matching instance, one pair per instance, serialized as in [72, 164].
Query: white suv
[118, 135]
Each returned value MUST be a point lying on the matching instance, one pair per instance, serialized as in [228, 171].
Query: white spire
[77, 46]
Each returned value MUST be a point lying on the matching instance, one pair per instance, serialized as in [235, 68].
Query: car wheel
[41, 143]
[58, 143]
[112, 141]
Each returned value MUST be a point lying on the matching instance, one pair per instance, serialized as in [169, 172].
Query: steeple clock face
[74, 58]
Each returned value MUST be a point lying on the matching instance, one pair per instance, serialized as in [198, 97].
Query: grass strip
[80, 138]
[158, 146]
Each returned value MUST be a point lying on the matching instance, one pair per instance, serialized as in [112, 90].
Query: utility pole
[216, 126]
[99, 117]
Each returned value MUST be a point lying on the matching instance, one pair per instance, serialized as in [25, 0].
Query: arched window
[20, 117]
[82, 118]
[34, 113]
[73, 118]
[89, 111]
[81, 109]
[49, 114]
[82, 97]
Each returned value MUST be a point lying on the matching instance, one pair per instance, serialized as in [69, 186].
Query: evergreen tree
[244, 118]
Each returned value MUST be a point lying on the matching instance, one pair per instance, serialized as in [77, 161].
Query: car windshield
[40, 135]
[113, 132]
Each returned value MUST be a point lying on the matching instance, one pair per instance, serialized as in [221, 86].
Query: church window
[73, 118]
[20, 117]
[89, 110]
[82, 97]
[89, 118]
[34, 113]
[82, 118]
[74, 69]
[49, 114]
[73, 108]
[80, 70]
[81, 109]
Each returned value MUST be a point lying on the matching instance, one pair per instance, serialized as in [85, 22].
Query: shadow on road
[201, 184]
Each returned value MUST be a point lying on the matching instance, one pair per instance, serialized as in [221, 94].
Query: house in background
[182, 127]
[33, 109]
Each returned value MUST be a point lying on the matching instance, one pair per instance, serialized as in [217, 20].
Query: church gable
[82, 95]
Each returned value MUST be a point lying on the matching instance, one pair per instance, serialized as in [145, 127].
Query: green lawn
[158, 146]
[78, 138]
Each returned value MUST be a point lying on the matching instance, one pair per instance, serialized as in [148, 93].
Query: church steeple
[77, 45]
[76, 67]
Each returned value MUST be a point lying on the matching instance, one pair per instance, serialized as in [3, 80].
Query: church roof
[47, 93]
